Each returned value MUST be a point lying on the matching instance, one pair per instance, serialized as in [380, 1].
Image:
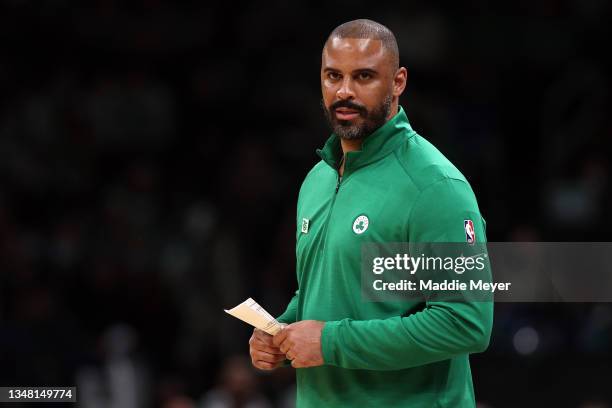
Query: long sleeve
[440, 331]
[290, 314]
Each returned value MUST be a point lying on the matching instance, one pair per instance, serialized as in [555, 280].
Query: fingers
[262, 345]
[263, 337]
[263, 365]
[264, 355]
[267, 357]
[265, 348]
[266, 361]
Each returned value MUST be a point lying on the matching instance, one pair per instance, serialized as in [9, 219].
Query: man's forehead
[341, 50]
[362, 45]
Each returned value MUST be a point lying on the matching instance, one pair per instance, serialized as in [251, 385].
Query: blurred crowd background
[151, 153]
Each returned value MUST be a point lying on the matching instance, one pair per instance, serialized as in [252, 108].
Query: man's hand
[301, 342]
[264, 354]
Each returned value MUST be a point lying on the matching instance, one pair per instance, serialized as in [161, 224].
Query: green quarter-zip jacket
[397, 188]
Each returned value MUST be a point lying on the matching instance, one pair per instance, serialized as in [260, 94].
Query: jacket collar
[377, 145]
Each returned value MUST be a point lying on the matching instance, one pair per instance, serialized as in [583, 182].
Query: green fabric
[399, 354]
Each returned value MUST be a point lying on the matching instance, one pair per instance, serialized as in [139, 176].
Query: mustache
[349, 105]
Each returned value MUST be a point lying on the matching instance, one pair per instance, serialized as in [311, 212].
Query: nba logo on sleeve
[470, 234]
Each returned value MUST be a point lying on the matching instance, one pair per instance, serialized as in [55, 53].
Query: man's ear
[399, 81]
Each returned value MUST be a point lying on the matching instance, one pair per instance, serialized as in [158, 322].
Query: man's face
[357, 79]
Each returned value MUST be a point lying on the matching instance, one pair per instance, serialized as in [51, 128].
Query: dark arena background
[150, 158]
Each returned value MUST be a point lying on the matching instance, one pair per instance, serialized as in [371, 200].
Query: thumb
[280, 336]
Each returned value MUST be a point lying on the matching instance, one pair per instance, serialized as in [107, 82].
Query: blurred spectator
[237, 387]
[120, 380]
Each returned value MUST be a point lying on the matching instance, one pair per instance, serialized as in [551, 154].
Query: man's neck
[348, 146]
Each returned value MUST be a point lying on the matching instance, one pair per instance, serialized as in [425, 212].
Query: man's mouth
[346, 113]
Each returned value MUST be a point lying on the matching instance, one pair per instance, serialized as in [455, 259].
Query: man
[378, 181]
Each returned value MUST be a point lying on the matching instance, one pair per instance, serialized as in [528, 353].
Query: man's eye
[365, 75]
[333, 76]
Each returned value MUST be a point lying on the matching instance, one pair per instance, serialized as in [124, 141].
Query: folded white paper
[250, 312]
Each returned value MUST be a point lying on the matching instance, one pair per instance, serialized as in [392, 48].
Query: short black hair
[364, 28]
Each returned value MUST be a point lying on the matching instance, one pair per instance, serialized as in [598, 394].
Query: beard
[349, 130]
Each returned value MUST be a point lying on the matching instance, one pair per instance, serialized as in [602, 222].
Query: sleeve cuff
[283, 319]
[329, 336]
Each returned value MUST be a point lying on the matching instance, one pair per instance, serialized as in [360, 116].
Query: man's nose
[346, 89]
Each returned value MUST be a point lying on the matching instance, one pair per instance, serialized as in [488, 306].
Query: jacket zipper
[329, 213]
